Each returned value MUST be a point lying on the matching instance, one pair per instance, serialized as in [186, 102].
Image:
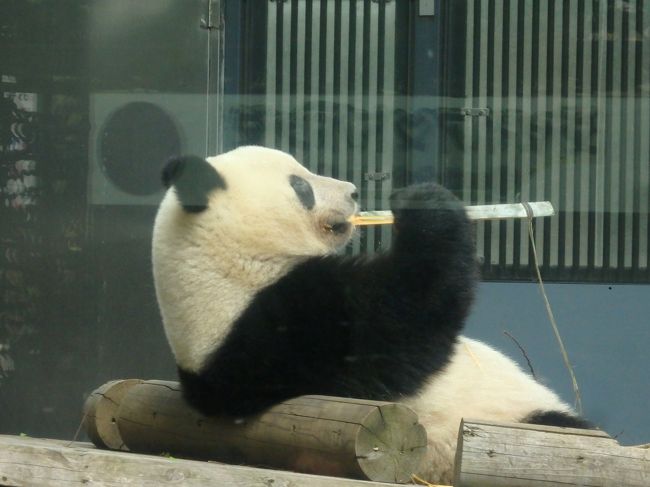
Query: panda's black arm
[370, 328]
[410, 304]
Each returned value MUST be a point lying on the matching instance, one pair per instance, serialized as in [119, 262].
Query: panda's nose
[354, 195]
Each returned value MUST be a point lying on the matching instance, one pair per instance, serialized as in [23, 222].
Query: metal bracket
[475, 112]
[376, 176]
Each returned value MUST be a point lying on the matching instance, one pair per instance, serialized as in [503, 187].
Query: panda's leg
[557, 418]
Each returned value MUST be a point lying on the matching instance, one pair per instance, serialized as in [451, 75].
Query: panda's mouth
[338, 227]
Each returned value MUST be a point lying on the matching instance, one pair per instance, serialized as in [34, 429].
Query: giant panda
[259, 306]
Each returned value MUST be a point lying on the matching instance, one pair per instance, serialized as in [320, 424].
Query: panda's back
[480, 382]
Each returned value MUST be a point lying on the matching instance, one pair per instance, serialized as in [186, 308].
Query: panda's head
[257, 202]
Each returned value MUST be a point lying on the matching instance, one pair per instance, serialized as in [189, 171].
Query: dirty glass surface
[96, 96]
[520, 100]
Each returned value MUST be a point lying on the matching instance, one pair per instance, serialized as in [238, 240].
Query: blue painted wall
[606, 332]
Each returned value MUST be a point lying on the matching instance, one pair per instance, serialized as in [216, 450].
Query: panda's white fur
[478, 383]
[221, 262]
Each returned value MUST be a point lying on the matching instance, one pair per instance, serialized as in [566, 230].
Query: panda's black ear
[194, 179]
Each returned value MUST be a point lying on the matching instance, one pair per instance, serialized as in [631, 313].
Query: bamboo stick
[477, 213]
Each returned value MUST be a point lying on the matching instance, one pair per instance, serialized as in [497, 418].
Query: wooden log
[500, 454]
[314, 434]
[53, 463]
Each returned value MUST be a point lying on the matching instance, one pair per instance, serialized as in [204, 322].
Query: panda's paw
[427, 204]
[432, 224]
[428, 195]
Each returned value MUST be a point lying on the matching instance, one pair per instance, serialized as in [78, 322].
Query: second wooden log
[314, 434]
[524, 455]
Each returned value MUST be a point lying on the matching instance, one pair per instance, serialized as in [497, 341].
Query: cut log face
[100, 413]
[313, 434]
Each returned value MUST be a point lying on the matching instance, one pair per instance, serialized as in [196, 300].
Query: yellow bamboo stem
[476, 212]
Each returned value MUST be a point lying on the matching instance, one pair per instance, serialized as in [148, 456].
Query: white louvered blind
[567, 88]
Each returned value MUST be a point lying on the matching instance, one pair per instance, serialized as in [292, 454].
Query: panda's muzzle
[338, 228]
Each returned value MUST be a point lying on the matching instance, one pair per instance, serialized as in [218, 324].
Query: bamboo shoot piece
[477, 213]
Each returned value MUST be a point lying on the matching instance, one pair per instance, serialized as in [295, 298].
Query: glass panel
[95, 97]
[519, 100]
[502, 102]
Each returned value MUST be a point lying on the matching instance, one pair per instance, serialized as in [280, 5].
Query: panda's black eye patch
[304, 191]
